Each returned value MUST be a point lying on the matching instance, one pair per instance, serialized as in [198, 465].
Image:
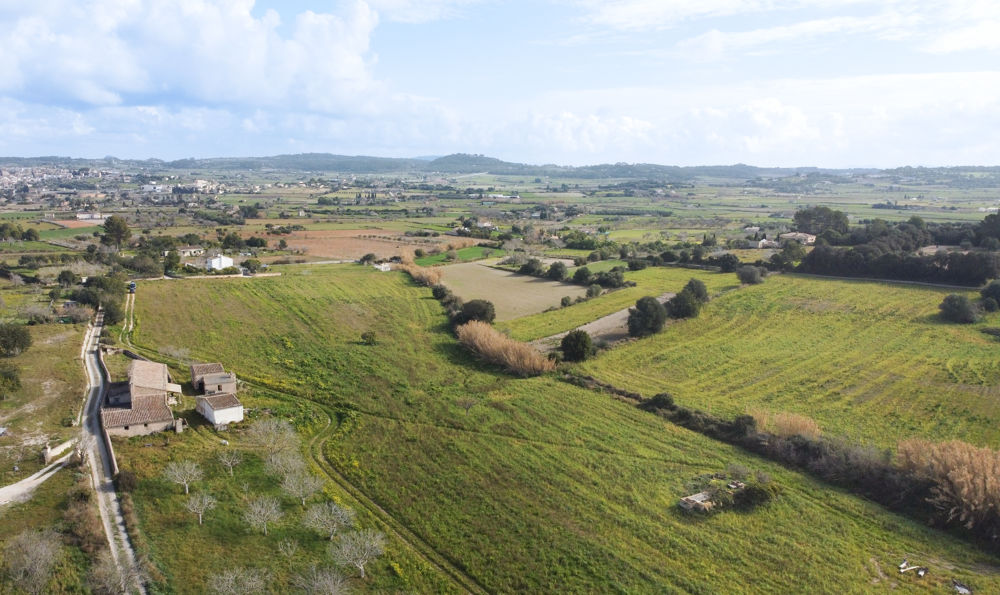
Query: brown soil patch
[76, 223]
[351, 244]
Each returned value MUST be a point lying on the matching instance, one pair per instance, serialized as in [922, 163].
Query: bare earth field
[351, 244]
[512, 295]
[75, 223]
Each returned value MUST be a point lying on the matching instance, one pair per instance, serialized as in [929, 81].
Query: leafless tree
[284, 462]
[262, 511]
[328, 518]
[237, 581]
[301, 485]
[288, 548]
[358, 548]
[467, 403]
[321, 581]
[183, 472]
[230, 458]
[108, 577]
[272, 435]
[199, 504]
[29, 558]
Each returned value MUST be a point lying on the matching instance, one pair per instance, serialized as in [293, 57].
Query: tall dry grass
[423, 275]
[785, 424]
[495, 347]
[966, 478]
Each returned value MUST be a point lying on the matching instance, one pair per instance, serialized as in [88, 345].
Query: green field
[543, 487]
[464, 255]
[867, 360]
[649, 281]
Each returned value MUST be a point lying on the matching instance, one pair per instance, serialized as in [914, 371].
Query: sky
[830, 83]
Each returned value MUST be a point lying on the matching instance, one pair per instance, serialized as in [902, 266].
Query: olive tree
[647, 318]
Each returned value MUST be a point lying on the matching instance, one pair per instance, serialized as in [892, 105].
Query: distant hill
[466, 163]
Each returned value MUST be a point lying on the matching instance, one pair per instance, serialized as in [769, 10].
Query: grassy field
[541, 487]
[45, 511]
[464, 255]
[52, 382]
[650, 281]
[512, 295]
[868, 361]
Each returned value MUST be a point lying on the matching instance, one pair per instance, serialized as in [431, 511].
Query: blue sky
[766, 82]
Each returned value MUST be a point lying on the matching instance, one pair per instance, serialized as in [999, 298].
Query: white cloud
[419, 11]
[187, 51]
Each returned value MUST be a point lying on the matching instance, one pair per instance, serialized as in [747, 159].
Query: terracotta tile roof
[144, 410]
[148, 374]
[221, 401]
[204, 369]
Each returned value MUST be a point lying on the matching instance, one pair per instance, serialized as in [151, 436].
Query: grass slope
[867, 360]
[541, 487]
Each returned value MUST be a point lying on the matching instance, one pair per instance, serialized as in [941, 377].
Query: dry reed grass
[966, 478]
[423, 275]
[785, 424]
[495, 347]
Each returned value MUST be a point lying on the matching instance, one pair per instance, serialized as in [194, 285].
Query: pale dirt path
[610, 329]
[98, 457]
[22, 490]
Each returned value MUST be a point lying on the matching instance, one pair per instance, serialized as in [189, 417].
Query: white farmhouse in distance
[218, 262]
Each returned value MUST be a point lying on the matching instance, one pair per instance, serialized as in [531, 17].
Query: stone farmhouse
[217, 403]
[139, 405]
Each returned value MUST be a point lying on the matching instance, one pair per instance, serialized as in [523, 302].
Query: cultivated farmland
[650, 281]
[513, 295]
[868, 361]
[541, 486]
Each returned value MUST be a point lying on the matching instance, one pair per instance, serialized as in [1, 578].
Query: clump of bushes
[576, 346]
[958, 308]
[497, 348]
[751, 275]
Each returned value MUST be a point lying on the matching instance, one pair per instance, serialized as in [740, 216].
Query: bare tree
[237, 581]
[328, 518]
[272, 435]
[262, 511]
[288, 548]
[283, 462]
[321, 581]
[301, 485]
[467, 403]
[109, 577]
[358, 548]
[29, 558]
[230, 458]
[183, 472]
[199, 504]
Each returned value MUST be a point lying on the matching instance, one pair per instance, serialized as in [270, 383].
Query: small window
[125, 428]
